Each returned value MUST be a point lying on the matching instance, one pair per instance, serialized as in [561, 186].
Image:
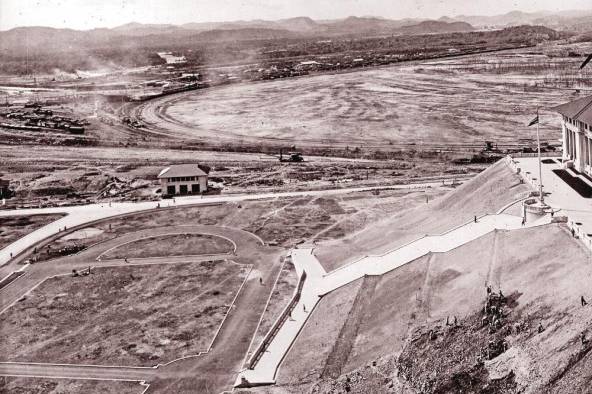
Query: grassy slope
[544, 268]
[305, 361]
[15, 227]
[486, 193]
[281, 296]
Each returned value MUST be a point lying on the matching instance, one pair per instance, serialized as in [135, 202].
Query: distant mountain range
[133, 35]
[577, 21]
[43, 39]
[304, 25]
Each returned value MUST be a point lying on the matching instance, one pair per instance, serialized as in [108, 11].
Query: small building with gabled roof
[183, 179]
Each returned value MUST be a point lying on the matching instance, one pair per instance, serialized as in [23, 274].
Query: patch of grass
[66, 386]
[171, 245]
[15, 227]
[139, 315]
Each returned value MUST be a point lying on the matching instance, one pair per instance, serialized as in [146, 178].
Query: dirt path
[214, 371]
[71, 371]
[245, 243]
[343, 345]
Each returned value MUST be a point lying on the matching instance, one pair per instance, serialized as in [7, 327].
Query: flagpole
[539, 152]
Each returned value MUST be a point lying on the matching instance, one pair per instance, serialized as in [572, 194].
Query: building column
[581, 152]
[577, 147]
[584, 151]
[578, 155]
[564, 139]
[589, 152]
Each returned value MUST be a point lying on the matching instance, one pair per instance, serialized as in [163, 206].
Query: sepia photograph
[295, 197]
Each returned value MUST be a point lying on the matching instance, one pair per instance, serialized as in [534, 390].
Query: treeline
[70, 62]
[520, 35]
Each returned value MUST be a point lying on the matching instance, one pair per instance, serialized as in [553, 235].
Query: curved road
[214, 370]
[86, 214]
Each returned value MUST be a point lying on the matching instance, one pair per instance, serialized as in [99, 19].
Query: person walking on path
[583, 301]
[475, 218]
[304, 308]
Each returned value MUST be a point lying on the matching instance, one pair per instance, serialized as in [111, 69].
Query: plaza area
[561, 192]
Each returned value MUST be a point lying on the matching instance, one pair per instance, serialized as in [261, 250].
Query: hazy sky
[87, 14]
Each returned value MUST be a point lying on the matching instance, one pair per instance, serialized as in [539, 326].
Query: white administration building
[576, 128]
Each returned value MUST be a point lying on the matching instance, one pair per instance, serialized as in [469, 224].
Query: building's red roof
[181, 170]
[580, 109]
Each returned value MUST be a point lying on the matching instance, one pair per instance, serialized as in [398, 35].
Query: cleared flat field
[433, 102]
[136, 316]
[15, 227]
[171, 245]
[66, 386]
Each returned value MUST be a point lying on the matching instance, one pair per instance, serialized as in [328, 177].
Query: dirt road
[214, 370]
